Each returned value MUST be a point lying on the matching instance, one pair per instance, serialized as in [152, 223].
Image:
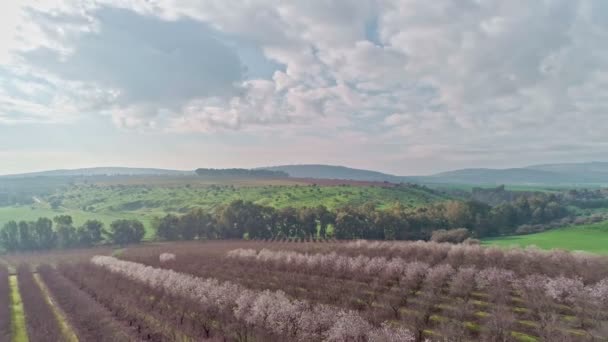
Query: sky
[402, 86]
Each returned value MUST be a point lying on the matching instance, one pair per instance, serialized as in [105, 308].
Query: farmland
[590, 238]
[308, 291]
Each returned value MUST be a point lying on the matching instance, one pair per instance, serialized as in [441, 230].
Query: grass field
[590, 238]
[19, 331]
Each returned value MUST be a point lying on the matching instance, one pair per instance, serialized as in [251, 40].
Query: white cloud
[439, 75]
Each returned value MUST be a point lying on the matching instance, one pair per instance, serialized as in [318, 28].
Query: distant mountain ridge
[545, 174]
[542, 174]
[335, 172]
[100, 171]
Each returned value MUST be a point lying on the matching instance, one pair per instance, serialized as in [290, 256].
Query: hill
[549, 174]
[499, 176]
[335, 172]
[594, 171]
[101, 171]
[564, 174]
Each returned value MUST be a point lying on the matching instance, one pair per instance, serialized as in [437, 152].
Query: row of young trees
[588, 267]
[493, 278]
[243, 218]
[40, 319]
[540, 291]
[473, 304]
[270, 311]
[60, 232]
[90, 320]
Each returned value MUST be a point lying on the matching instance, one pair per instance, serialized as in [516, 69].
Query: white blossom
[269, 310]
[166, 257]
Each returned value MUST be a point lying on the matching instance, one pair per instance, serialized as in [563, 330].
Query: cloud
[129, 63]
[439, 76]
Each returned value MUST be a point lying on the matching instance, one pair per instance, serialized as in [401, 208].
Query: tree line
[244, 173]
[245, 219]
[240, 219]
[60, 232]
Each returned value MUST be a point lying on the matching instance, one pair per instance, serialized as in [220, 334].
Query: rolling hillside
[335, 172]
[550, 174]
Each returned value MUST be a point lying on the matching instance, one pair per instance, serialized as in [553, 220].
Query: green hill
[144, 202]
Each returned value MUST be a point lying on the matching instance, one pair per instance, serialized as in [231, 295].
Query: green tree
[167, 227]
[90, 233]
[308, 221]
[44, 234]
[26, 236]
[325, 218]
[9, 236]
[123, 232]
[66, 233]
[288, 223]
[349, 224]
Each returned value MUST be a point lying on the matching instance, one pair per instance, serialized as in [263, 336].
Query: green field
[109, 202]
[590, 238]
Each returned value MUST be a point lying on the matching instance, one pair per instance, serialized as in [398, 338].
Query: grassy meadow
[590, 238]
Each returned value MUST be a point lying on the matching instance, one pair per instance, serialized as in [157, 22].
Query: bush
[452, 235]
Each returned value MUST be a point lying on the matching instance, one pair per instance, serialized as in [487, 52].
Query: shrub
[166, 257]
[457, 235]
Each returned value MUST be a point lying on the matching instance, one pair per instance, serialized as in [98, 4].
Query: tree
[452, 235]
[199, 222]
[349, 224]
[167, 227]
[90, 233]
[9, 236]
[499, 324]
[308, 221]
[325, 218]
[26, 238]
[232, 219]
[66, 233]
[44, 234]
[288, 223]
[123, 231]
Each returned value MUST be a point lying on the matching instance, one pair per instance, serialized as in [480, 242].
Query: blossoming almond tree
[268, 310]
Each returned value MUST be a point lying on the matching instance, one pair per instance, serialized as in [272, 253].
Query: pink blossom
[564, 289]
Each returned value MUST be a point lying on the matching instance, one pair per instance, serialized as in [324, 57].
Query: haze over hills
[566, 173]
[336, 172]
[574, 173]
[100, 171]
